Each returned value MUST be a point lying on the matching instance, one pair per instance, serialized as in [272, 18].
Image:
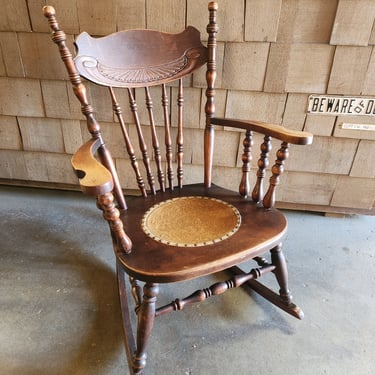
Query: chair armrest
[276, 131]
[94, 178]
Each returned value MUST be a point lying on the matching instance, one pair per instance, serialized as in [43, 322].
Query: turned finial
[212, 5]
[49, 11]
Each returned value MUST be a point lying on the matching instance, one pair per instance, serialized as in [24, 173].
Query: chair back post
[59, 38]
[212, 30]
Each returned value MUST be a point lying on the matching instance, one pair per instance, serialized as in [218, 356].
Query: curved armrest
[276, 131]
[94, 178]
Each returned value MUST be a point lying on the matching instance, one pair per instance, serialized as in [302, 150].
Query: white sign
[368, 127]
[341, 105]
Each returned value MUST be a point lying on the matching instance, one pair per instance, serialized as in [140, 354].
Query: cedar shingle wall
[271, 55]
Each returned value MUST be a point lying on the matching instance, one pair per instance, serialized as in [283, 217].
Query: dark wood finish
[270, 295]
[59, 38]
[263, 163]
[130, 345]
[215, 289]
[272, 130]
[106, 203]
[212, 30]
[260, 231]
[181, 55]
[133, 59]
[129, 147]
[244, 188]
[94, 177]
[146, 317]
[167, 137]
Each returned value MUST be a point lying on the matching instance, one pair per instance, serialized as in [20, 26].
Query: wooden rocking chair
[172, 232]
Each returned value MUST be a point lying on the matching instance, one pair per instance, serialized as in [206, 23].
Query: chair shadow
[59, 261]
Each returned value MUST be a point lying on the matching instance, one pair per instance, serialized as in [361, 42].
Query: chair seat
[219, 230]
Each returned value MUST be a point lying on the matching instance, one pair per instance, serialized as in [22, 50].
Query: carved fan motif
[93, 70]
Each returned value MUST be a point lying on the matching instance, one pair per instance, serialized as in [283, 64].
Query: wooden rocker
[173, 232]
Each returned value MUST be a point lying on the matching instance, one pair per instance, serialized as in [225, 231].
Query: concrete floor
[59, 312]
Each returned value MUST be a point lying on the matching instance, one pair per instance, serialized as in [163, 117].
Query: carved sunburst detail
[144, 74]
[137, 75]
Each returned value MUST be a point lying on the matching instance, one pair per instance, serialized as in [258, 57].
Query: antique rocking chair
[173, 233]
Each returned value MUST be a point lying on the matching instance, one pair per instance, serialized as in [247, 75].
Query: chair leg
[281, 273]
[125, 314]
[283, 299]
[146, 317]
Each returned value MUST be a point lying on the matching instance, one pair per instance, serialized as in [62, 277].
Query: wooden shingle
[326, 155]
[298, 68]
[255, 105]
[39, 56]
[295, 111]
[363, 165]
[307, 188]
[66, 12]
[249, 75]
[171, 10]
[55, 96]
[41, 134]
[131, 14]
[262, 20]
[35, 164]
[369, 83]
[97, 17]
[72, 136]
[353, 22]
[59, 169]
[14, 16]
[354, 192]
[12, 165]
[320, 124]
[349, 70]
[306, 21]
[11, 54]
[10, 137]
[3, 71]
[20, 97]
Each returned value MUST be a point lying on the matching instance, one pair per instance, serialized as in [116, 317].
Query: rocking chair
[173, 232]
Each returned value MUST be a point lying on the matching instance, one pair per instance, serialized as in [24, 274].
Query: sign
[368, 127]
[341, 105]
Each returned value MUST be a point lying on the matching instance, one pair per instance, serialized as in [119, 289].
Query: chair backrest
[138, 61]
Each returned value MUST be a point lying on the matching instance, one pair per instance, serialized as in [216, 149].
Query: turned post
[128, 144]
[211, 74]
[277, 169]
[146, 317]
[180, 135]
[281, 273]
[244, 188]
[215, 289]
[106, 203]
[141, 140]
[155, 141]
[59, 38]
[167, 136]
[263, 163]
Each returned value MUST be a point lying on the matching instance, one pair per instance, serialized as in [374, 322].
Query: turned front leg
[281, 273]
[136, 293]
[146, 317]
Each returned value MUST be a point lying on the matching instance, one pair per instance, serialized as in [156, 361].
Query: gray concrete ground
[59, 311]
